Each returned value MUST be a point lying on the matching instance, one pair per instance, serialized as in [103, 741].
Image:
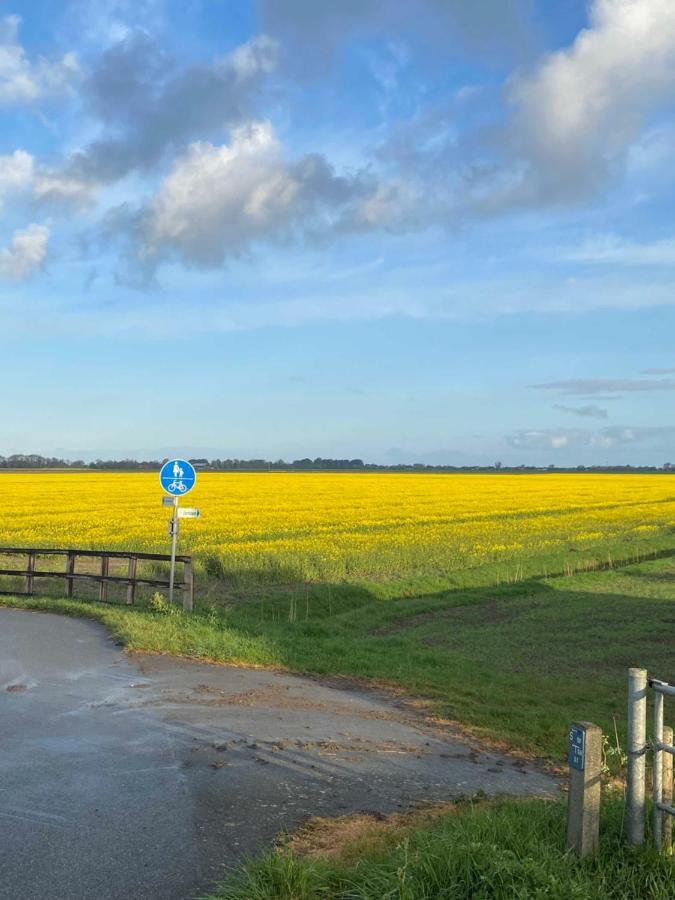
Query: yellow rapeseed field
[354, 526]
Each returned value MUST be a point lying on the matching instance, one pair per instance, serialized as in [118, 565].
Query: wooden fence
[102, 577]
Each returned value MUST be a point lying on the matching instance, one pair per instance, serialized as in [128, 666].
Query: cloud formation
[26, 253]
[604, 385]
[578, 111]
[558, 439]
[23, 81]
[605, 439]
[566, 126]
[219, 200]
[148, 106]
[591, 411]
[16, 174]
[608, 249]
[569, 123]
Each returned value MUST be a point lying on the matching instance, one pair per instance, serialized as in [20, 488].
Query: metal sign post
[177, 478]
[173, 526]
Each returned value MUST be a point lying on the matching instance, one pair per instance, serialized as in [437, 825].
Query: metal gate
[661, 744]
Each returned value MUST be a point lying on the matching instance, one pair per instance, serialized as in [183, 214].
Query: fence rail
[103, 577]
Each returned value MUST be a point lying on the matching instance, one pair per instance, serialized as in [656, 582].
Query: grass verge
[505, 848]
[514, 662]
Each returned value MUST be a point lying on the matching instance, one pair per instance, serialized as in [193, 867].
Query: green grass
[516, 662]
[503, 849]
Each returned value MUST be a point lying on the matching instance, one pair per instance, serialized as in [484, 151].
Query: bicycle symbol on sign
[177, 477]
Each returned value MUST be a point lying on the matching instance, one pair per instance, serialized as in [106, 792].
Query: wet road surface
[144, 776]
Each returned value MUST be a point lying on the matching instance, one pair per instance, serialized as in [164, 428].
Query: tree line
[36, 461]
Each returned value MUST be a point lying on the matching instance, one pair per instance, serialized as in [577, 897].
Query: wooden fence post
[131, 587]
[103, 586]
[30, 568]
[70, 568]
[583, 802]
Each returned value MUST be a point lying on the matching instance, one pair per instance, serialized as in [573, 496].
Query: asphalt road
[133, 777]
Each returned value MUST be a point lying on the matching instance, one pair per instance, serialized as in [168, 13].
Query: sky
[432, 232]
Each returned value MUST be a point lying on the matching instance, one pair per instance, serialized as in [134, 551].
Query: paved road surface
[133, 777]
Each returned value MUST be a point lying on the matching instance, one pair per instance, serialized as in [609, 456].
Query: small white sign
[188, 513]
[167, 501]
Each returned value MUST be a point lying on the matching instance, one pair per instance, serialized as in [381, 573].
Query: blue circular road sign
[177, 477]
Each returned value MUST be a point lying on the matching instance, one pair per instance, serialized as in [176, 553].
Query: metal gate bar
[660, 688]
[638, 747]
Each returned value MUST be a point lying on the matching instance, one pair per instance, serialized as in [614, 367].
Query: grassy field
[510, 605]
[514, 662]
[558, 603]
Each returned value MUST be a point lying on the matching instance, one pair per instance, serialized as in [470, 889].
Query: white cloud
[582, 107]
[16, 173]
[549, 440]
[610, 249]
[256, 57]
[631, 434]
[591, 411]
[60, 187]
[589, 386]
[25, 254]
[605, 439]
[219, 200]
[23, 81]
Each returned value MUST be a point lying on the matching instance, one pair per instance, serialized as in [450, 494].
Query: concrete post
[668, 789]
[636, 740]
[583, 802]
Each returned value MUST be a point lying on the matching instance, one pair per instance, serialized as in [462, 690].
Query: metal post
[668, 789]
[636, 739]
[174, 539]
[658, 768]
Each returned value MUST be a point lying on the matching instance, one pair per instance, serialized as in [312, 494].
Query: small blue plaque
[576, 753]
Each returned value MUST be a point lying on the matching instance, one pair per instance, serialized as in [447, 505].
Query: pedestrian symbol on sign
[177, 477]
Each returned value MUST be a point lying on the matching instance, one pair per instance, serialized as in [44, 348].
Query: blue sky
[437, 232]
